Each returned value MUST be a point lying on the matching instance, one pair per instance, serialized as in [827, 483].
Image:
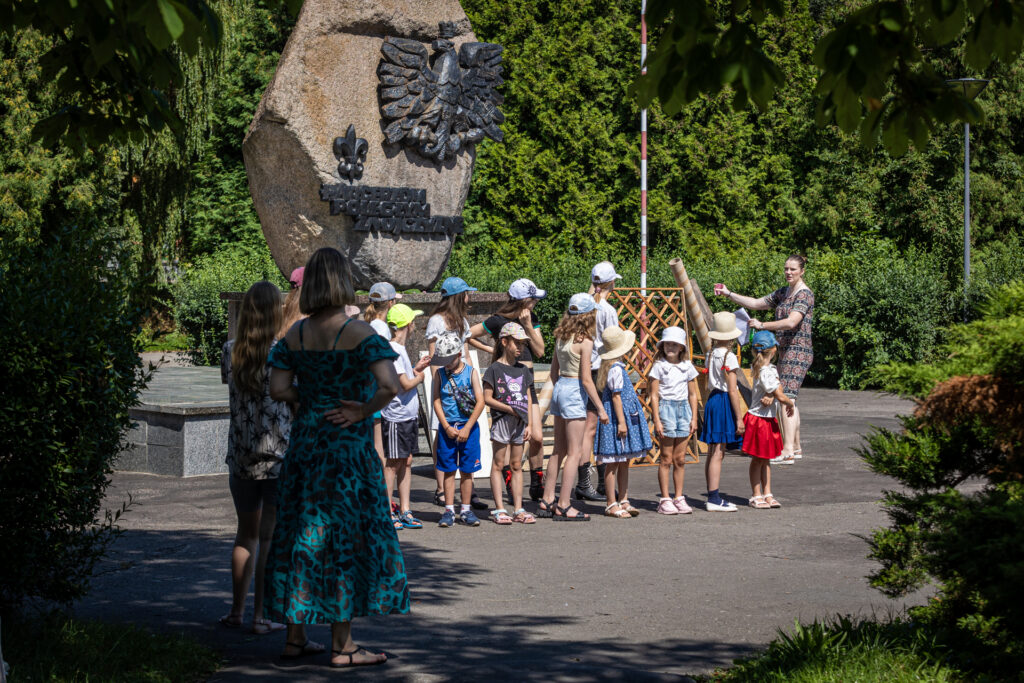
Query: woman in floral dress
[335, 554]
[794, 312]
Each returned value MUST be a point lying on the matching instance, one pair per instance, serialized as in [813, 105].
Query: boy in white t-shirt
[400, 417]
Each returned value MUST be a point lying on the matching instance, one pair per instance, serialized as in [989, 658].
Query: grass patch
[55, 647]
[842, 649]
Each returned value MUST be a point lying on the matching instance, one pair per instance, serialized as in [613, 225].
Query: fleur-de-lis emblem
[351, 153]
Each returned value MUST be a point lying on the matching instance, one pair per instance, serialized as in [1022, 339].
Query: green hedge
[873, 302]
[198, 309]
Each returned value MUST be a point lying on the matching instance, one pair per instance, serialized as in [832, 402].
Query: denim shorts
[675, 418]
[567, 400]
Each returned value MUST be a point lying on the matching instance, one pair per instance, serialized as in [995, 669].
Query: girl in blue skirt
[722, 426]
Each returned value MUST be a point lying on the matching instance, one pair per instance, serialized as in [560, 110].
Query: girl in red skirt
[761, 438]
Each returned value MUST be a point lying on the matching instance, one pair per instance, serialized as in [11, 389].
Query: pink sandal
[501, 517]
[524, 517]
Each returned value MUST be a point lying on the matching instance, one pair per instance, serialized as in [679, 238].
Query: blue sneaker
[447, 519]
[410, 522]
[469, 519]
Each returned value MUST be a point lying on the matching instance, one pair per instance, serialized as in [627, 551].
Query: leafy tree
[969, 539]
[874, 73]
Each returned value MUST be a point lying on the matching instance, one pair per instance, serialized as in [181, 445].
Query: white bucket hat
[673, 334]
[725, 327]
[617, 342]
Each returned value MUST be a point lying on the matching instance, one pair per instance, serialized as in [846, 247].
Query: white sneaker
[725, 506]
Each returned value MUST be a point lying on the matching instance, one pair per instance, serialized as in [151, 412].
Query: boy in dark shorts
[400, 417]
[458, 401]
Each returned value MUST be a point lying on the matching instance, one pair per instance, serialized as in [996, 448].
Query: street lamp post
[970, 87]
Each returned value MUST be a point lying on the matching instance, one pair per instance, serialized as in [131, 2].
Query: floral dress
[335, 554]
[795, 351]
[259, 429]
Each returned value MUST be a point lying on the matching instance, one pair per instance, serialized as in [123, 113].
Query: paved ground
[650, 598]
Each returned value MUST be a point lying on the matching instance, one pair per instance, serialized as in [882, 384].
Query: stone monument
[365, 138]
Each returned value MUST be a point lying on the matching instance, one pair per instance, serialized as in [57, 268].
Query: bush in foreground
[68, 373]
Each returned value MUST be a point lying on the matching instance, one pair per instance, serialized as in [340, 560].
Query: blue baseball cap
[455, 285]
[763, 340]
[581, 303]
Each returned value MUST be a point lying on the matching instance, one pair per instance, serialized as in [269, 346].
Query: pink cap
[296, 276]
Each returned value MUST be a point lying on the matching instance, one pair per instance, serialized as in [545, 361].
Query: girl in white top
[722, 427]
[761, 439]
[673, 387]
[382, 297]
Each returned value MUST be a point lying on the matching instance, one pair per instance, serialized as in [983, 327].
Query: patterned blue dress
[335, 554]
[608, 446]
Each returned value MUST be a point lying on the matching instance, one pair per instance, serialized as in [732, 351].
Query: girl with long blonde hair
[570, 369]
[257, 440]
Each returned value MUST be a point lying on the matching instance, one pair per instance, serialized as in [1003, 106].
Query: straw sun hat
[617, 342]
[725, 327]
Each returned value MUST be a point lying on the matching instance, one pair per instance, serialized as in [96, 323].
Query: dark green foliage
[200, 312]
[55, 647]
[843, 649]
[69, 373]
[967, 538]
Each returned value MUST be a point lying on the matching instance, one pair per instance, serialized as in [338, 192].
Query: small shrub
[198, 309]
[69, 372]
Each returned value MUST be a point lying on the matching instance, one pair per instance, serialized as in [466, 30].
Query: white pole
[643, 155]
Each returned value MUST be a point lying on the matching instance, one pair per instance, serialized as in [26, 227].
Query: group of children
[595, 406]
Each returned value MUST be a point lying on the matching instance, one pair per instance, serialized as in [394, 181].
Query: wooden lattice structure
[647, 315]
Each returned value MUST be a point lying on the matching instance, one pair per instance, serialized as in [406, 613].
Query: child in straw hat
[627, 435]
[722, 427]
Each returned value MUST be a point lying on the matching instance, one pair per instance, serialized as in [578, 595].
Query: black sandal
[304, 650]
[546, 509]
[560, 515]
[351, 658]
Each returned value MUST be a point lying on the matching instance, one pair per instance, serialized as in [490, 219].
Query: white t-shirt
[616, 378]
[720, 361]
[606, 317]
[436, 325]
[405, 405]
[766, 383]
[673, 379]
[381, 328]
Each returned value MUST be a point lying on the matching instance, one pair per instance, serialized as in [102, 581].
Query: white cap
[673, 334]
[525, 289]
[603, 272]
[581, 303]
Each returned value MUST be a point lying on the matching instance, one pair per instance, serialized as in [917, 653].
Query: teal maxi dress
[335, 554]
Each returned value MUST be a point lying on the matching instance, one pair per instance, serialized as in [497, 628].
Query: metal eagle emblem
[440, 105]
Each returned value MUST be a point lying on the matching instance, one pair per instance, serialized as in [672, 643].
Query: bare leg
[766, 478]
[557, 456]
[404, 482]
[665, 462]
[611, 471]
[500, 451]
[515, 461]
[713, 466]
[268, 519]
[391, 475]
[465, 487]
[796, 429]
[789, 426]
[242, 560]
[438, 474]
[756, 476]
[574, 438]
[623, 480]
[344, 651]
[295, 640]
[448, 484]
[536, 454]
[679, 468]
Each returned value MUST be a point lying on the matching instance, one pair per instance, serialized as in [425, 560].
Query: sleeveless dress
[608, 446]
[795, 351]
[335, 554]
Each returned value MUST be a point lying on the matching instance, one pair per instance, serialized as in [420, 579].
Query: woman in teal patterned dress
[335, 554]
[794, 313]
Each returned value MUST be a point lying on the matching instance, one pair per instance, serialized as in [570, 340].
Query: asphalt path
[650, 598]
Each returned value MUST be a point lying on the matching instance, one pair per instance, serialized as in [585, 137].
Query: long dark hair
[258, 322]
[512, 308]
[453, 309]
